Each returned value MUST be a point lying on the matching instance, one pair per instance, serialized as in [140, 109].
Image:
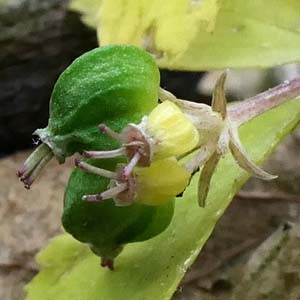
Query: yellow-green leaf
[153, 269]
[247, 34]
[166, 26]
[89, 10]
[201, 34]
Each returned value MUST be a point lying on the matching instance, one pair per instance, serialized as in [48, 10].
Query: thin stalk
[108, 131]
[246, 110]
[104, 154]
[109, 194]
[95, 170]
[128, 169]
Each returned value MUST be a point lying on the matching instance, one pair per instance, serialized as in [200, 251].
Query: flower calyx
[221, 136]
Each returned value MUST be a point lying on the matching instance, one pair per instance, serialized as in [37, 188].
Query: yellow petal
[175, 133]
[162, 181]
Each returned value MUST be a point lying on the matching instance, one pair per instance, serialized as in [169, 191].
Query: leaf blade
[206, 35]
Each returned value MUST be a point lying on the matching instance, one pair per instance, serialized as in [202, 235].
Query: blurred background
[258, 234]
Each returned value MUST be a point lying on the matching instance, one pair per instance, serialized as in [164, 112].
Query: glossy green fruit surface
[103, 225]
[114, 85]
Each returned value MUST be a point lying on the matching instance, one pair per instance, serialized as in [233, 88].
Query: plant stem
[267, 196]
[245, 110]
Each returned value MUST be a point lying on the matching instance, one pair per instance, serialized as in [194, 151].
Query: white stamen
[104, 154]
[135, 143]
[109, 194]
[128, 169]
[95, 170]
[114, 191]
[108, 131]
[92, 198]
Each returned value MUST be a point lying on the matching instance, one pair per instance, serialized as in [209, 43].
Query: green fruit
[113, 85]
[103, 225]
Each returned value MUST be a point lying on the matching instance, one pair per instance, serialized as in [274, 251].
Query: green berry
[115, 85]
[103, 225]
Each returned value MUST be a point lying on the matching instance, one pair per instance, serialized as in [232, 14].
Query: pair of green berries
[139, 167]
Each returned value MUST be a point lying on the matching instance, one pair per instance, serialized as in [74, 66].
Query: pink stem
[254, 106]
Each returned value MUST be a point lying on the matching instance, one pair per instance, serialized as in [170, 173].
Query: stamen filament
[92, 198]
[128, 169]
[104, 154]
[134, 143]
[111, 193]
[108, 131]
[95, 170]
[114, 191]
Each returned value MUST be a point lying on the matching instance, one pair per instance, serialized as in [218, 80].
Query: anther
[22, 170]
[27, 182]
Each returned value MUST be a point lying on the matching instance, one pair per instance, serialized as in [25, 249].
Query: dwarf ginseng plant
[143, 154]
